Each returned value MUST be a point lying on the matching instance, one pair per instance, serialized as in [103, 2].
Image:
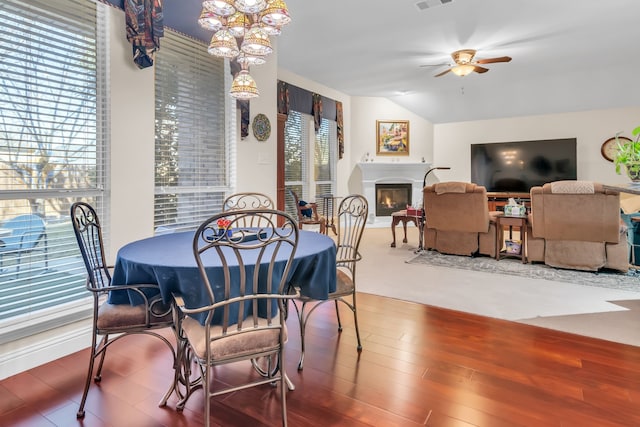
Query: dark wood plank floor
[420, 366]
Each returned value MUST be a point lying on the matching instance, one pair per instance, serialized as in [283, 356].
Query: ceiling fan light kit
[462, 70]
[465, 64]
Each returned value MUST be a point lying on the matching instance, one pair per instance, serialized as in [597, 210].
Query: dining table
[168, 261]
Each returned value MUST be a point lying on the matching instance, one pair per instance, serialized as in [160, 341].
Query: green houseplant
[628, 155]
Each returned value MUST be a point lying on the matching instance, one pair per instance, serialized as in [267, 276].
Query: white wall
[591, 129]
[132, 141]
[256, 160]
[364, 114]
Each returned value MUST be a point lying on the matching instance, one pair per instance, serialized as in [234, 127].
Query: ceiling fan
[465, 64]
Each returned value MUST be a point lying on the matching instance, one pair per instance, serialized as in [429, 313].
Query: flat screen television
[517, 166]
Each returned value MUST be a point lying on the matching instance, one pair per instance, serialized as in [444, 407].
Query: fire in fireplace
[391, 198]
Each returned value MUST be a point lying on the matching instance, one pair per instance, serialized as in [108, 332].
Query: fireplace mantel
[389, 173]
[381, 170]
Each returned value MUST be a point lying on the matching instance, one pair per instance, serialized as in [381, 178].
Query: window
[193, 159]
[52, 149]
[310, 158]
[324, 157]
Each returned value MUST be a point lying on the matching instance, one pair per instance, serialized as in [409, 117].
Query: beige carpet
[610, 314]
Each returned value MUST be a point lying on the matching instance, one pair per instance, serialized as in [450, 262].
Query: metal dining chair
[112, 322]
[351, 220]
[248, 200]
[245, 317]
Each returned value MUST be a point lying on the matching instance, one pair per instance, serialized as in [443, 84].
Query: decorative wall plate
[609, 148]
[261, 127]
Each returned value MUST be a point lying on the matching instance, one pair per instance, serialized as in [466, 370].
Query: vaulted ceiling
[568, 55]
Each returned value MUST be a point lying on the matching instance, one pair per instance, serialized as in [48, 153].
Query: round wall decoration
[261, 127]
[609, 148]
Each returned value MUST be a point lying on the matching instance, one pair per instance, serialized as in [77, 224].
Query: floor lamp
[422, 216]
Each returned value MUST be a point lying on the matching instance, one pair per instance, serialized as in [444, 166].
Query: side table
[403, 217]
[511, 221]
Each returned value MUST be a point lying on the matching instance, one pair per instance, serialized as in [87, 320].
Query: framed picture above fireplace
[392, 137]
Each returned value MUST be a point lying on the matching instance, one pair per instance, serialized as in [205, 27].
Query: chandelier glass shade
[238, 24]
[250, 6]
[209, 20]
[241, 31]
[256, 42]
[220, 7]
[276, 14]
[223, 44]
[247, 60]
[244, 87]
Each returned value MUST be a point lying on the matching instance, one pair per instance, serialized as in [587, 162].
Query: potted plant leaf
[628, 155]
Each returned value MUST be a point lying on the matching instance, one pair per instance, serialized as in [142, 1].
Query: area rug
[609, 279]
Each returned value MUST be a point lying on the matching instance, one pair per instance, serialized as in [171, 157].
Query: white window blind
[324, 157]
[310, 158]
[52, 148]
[296, 153]
[193, 158]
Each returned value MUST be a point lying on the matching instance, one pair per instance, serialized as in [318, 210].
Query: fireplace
[392, 197]
[376, 173]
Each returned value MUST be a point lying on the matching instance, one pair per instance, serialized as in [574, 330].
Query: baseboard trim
[19, 357]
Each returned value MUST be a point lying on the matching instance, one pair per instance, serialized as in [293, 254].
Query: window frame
[71, 15]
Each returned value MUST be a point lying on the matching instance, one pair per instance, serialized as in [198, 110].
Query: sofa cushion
[450, 187]
[572, 187]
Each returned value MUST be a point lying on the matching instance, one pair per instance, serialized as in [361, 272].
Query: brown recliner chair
[458, 220]
[577, 225]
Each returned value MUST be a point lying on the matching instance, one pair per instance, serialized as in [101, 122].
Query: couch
[458, 220]
[577, 225]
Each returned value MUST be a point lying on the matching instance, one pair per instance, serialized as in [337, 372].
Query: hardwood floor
[420, 365]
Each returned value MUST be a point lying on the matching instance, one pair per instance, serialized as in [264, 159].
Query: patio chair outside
[27, 233]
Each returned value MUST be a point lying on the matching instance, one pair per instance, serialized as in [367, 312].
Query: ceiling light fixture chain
[241, 30]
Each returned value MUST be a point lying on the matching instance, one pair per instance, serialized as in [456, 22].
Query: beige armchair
[577, 225]
[458, 220]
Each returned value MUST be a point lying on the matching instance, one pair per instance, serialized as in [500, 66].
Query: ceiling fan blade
[493, 60]
[443, 64]
[480, 69]
[443, 73]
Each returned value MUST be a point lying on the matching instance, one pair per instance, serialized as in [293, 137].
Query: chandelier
[241, 31]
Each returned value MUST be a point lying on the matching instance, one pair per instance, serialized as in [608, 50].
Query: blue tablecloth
[168, 261]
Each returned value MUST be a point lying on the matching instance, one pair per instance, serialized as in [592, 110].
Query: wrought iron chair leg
[284, 382]
[87, 383]
[103, 345]
[303, 324]
[338, 316]
[207, 398]
[355, 320]
[173, 385]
